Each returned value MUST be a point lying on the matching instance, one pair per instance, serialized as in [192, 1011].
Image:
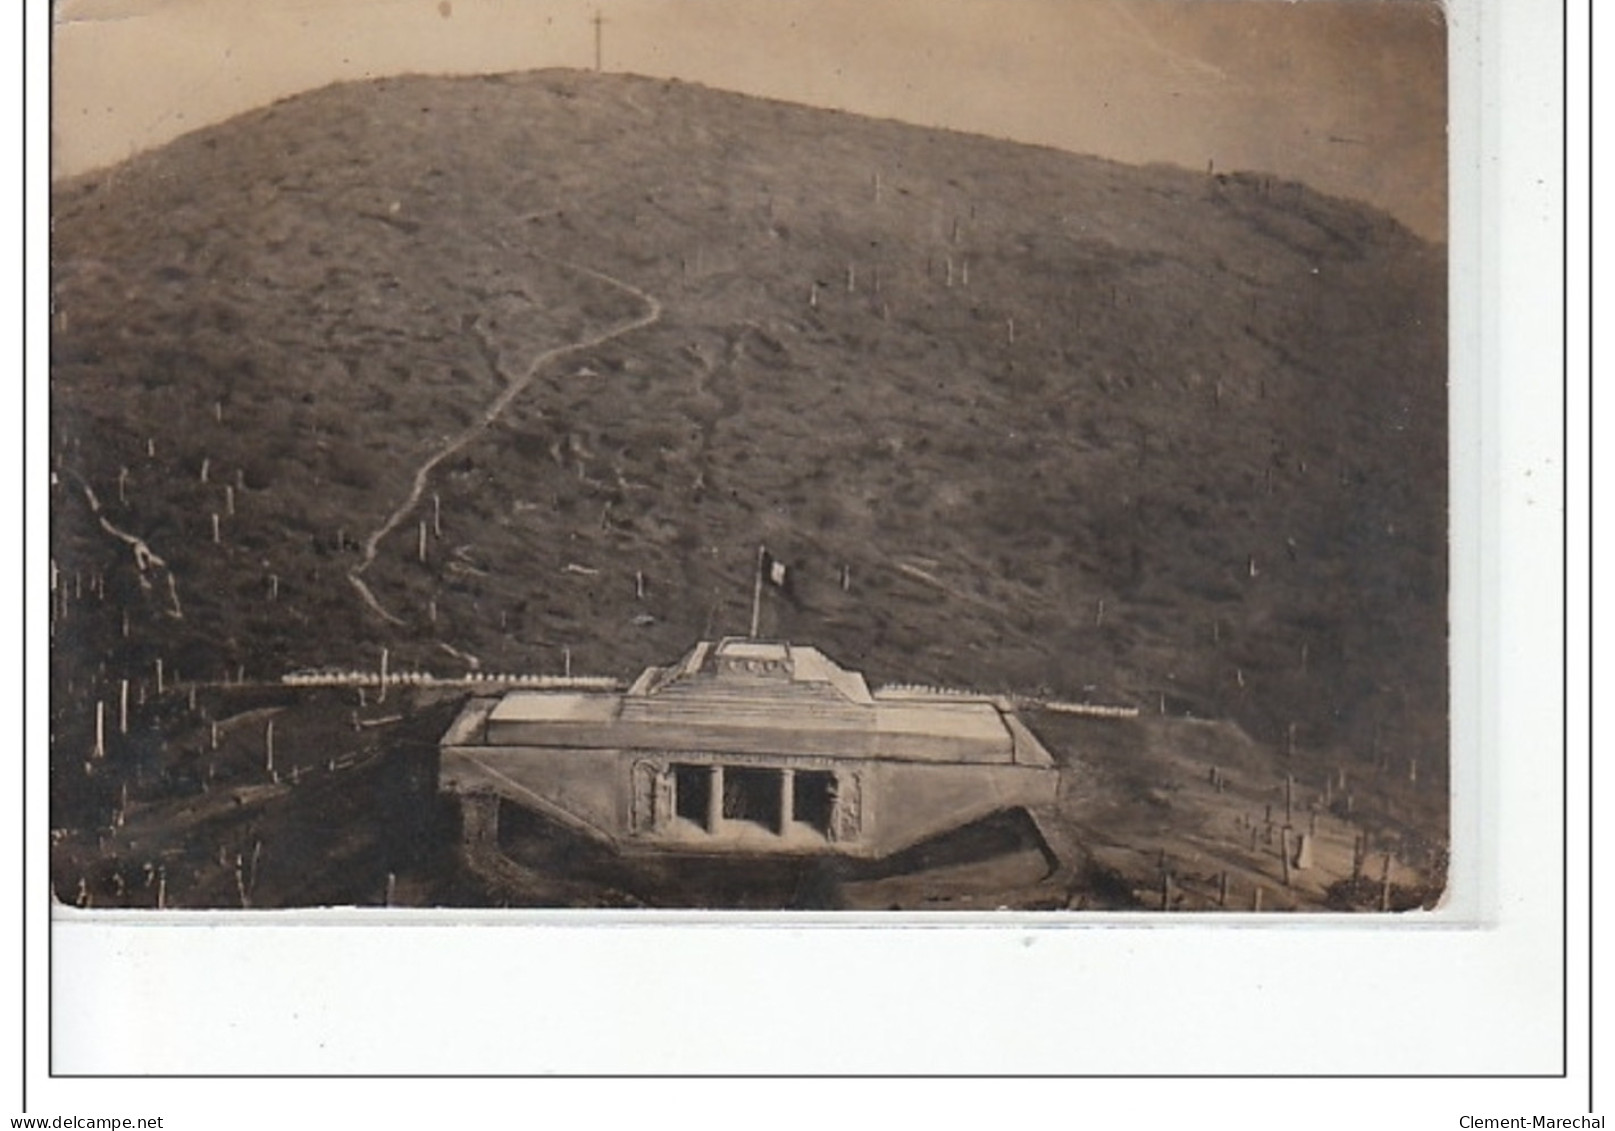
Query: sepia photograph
[743, 455]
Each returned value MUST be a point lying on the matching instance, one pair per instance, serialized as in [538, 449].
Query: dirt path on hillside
[145, 559]
[652, 314]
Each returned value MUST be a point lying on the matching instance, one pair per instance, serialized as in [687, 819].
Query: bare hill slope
[1137, 434]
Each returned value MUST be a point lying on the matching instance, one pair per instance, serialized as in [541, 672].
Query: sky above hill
[1346, 95]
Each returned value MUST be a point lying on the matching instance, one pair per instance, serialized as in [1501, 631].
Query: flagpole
[757, 591]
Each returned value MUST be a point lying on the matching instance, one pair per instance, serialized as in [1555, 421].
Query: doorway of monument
[752, 793]
[815, 799]
[692, 793]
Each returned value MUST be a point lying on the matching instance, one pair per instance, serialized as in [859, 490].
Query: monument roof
[765, 697]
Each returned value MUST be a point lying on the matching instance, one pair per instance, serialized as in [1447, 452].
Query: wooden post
[437, 515]
[431, 610]
[1385, 883]
[269, 747]
[639, 584]
[1304, 852]
[1284, 840]
[229, 499]
[218, 412]
[274, 587]
[1256, 898]
[566, 662]
[1099, 613]
[215, 518]
[1290, 740]
[206, 464]
[100, 750]
[123, 480]
[420, 547]
[381, 696]
[123, 706]
[213, 734]
[1166, 891]
[1222, 889]
[162, 888]
[392, 887]
[126, 624]
[1289, 798]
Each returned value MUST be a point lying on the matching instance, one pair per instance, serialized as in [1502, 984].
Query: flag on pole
[775, 572]
[772, 572]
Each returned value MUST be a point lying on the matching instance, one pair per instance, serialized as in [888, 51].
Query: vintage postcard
[750, 455]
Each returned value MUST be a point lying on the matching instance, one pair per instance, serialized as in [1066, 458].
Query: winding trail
[652, 314]
[145, 558]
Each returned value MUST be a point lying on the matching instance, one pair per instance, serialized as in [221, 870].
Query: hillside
[1136, 435]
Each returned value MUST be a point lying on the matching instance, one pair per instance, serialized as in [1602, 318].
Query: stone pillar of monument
[787, 800]
[715, 800]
